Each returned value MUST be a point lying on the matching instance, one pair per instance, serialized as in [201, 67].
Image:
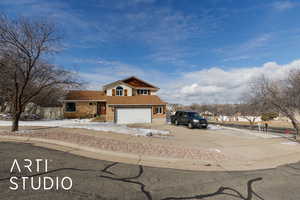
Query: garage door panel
[133, 115]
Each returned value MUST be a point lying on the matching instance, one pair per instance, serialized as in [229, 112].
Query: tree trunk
[16, 118]
[251, 124]
[295, 123]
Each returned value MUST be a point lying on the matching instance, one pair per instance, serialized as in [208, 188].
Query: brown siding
[134, 92]
[154, 110]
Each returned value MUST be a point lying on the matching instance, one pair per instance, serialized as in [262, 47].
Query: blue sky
[195, 50]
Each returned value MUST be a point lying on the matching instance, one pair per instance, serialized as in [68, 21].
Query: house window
[70, 107]
[119, 91]
[143, 92]
[159, 110]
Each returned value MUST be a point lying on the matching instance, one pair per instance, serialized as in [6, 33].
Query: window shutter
[114, 92]
[154, 110]
[125, 92]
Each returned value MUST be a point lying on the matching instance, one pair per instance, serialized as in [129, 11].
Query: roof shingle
[135, 100]
[87, 95]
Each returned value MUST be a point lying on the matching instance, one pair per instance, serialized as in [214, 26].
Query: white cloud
[212, 85]
[283, 5]
[197, 88]
[122, 4]
[217, 85]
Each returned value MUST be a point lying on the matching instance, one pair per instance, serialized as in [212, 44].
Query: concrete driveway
[103, 180]
[243, 148]
[194, 149]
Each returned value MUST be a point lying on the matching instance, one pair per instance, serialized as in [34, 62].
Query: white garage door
[133, 115]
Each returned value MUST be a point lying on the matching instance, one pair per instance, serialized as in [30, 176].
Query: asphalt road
[96, 179]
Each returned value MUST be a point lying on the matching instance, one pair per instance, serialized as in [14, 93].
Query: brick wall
[83, 110]
[110, 114]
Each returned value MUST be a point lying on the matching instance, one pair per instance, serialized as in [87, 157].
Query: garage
[133, 115]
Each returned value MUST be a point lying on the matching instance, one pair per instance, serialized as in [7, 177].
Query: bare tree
[50, 97]
[25, 72]
[281, 95]
[251, 107]
[293, 84]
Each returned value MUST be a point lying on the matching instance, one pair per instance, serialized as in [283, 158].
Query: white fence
[50, 112]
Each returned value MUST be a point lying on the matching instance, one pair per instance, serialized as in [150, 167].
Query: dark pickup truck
[189, 118]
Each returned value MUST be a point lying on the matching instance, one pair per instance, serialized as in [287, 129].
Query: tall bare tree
[25, 45]
[281, 95]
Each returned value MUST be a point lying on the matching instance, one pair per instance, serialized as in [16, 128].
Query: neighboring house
[125, 101]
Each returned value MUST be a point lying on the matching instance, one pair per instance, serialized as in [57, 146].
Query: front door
[101, 108]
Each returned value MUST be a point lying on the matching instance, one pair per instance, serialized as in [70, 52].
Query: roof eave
[101, 100]
[153, 86]
[122, 82]
[155, 104]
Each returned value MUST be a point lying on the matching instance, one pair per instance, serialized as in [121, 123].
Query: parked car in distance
[189, 118]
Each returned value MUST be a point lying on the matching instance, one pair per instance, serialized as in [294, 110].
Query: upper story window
[119, 91]
[143, 92]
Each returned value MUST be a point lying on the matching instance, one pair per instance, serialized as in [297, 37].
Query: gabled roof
[84, 95]
[133, 82]
[134, 100]
[138, 83]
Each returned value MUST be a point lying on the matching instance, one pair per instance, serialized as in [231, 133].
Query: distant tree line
[265, 98]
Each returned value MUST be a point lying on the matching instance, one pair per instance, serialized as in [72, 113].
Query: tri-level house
[131, 100]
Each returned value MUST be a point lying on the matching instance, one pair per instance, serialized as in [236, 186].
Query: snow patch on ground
[214, 127]
[262, 134]
[290, 143]
[87, 124]
[5, 116]
[215, 150]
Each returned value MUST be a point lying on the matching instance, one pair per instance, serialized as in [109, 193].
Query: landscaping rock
[149, 134]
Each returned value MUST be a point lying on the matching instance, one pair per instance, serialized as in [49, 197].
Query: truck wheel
[190, 125]
[176, 123]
